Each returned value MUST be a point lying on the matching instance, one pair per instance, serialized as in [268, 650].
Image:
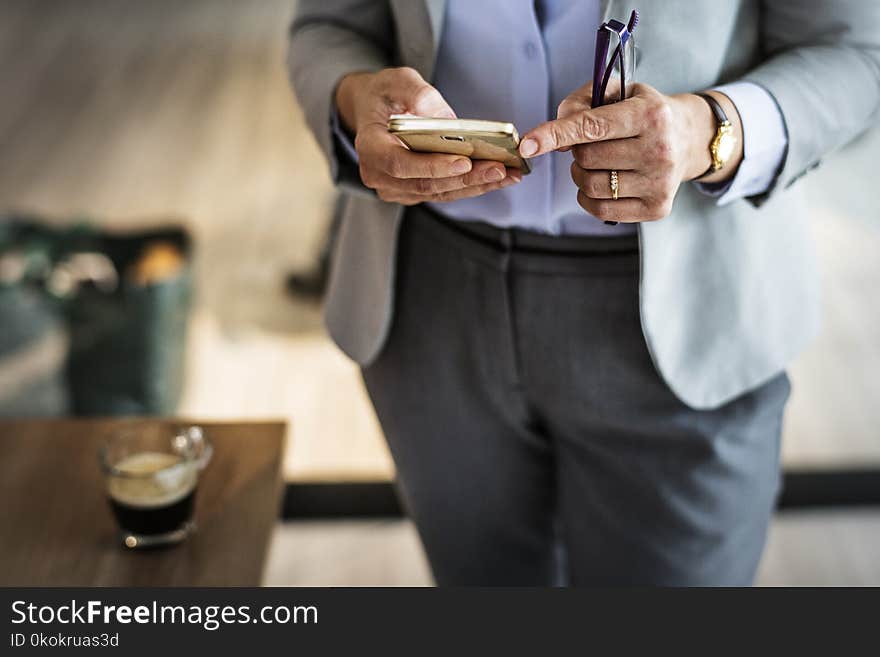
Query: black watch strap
[720, 118]
[717, 110]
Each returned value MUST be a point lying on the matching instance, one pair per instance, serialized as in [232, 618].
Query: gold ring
[615, 185]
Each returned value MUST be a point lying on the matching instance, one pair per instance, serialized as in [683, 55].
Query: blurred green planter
[33, 349]
[127, 346]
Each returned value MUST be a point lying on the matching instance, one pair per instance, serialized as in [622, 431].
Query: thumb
[576, 101]
[418, 97]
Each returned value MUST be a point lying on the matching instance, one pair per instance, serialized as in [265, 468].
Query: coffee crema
[154, 493]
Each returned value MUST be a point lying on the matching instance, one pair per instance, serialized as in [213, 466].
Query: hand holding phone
[366, 102]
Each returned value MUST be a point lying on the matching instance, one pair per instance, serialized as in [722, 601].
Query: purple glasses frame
[602, 66]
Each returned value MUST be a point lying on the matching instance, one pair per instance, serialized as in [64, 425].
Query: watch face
[725, 147]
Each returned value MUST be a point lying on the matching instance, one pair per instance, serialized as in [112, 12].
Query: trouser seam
[509, 308]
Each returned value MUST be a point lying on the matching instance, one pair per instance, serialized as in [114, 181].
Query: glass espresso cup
[151, 474]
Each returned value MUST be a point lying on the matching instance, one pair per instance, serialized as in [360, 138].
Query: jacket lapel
[418, 25]
[436, 9]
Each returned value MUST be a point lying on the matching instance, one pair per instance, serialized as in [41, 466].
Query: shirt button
[531, 50]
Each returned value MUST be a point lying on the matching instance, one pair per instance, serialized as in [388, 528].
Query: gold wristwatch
[724, 142]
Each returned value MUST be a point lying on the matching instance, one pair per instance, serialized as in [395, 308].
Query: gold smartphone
[476, 139]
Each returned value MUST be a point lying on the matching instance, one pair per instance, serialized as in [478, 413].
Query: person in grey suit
[566, 401]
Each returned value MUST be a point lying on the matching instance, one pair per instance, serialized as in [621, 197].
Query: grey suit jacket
[728, 294]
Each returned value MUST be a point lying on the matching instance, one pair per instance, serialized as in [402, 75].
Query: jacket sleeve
[328, 40]
[822, 67]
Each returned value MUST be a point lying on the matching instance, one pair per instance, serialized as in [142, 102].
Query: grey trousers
[534, 440]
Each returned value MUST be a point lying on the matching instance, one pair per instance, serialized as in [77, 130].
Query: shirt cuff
[342, 136]
[764, 144]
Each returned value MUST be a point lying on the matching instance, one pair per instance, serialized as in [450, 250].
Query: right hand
[367, 100]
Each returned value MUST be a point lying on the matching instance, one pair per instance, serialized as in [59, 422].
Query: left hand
[653, 141]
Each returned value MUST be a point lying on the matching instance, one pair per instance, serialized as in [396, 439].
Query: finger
[597, 184]
[477, 190]
[409, 89]
[486, 171]
[483, 172]
[615, 154]
[382, 152]
[623, 210]
[577, 101]
[404, 163]
[616, 121]
[582, 99]
[406, 198]
[416, 186]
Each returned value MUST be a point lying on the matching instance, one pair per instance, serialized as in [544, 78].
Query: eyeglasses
[622, 59]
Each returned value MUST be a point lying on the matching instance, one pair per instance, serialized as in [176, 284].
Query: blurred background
[120, 118]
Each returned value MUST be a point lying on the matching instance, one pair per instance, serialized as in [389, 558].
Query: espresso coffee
[153, 493]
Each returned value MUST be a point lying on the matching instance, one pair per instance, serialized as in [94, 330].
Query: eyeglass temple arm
[603, 40]
[610, 69]
[624, 33]
[602, 70]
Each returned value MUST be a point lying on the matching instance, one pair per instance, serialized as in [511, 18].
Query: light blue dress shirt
[498, 60]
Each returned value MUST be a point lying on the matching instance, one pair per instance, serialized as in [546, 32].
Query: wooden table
[55, 523]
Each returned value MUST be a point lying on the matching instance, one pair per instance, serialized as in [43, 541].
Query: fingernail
[494, 175]
[528, 148]
[516, 176]
[461, 166]
[446, 114]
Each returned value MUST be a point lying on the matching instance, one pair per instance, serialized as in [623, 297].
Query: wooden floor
[812, 548]
[126, 112]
